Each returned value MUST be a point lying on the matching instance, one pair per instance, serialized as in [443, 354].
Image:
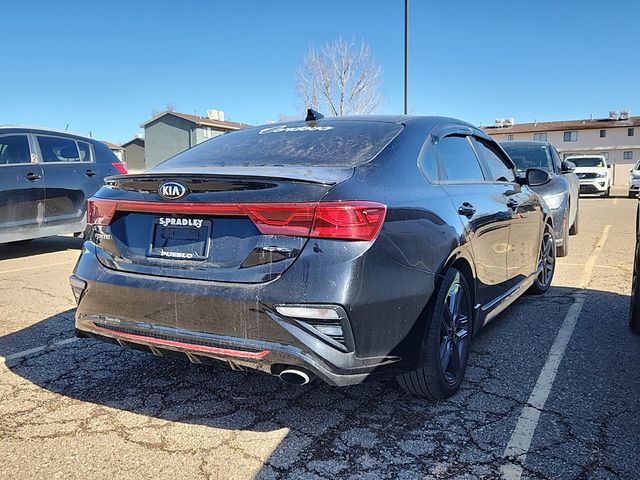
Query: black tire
[563, 251]
[447, 342]
[633, 195]
[607, 194]
[546, 263]
[20, 243]
[575, 228]
[634, 310]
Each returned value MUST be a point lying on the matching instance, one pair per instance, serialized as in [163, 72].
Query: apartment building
[170, 133]
[616, 137]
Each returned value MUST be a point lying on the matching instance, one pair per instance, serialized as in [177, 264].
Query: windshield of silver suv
[529, 156]
[586, 161]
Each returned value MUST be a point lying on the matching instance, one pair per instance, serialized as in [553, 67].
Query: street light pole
[406, 56]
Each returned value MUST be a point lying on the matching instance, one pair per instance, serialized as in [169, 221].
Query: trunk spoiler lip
[317, 175]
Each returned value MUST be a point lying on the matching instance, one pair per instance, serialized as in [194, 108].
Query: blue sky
[102, 67]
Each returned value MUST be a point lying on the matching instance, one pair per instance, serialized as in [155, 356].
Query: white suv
[593, 173]
[634, 180]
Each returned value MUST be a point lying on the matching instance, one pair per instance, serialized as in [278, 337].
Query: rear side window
[85, 152]
[499, 170]
[458, 160]
[427, 161]
[14, 149]
[57, 149]
[344, 143]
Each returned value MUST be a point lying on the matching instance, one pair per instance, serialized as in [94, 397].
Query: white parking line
[31, 351]
[520, 441]
[35, 267]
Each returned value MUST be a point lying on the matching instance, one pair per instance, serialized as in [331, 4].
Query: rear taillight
[291, 219]
[121, 167]
[100, 212]
[348, 220]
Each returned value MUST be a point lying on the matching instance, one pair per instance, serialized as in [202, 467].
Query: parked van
[45, 178]
[593, 173]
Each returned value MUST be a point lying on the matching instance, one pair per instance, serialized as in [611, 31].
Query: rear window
[586, 161]
[57, 149]
[338, 144]
[529, 156]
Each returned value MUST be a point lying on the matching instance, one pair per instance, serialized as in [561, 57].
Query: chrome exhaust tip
[294, 376]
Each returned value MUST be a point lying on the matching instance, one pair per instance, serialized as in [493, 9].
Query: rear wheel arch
[464, 266]
[429, 378]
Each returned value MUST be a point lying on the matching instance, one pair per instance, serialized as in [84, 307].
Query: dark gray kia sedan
[562, 193]
[45, 178]
[345, 249]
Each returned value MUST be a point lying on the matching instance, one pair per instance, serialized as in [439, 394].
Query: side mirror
[567, 166]
[609, 166]
[536, 177]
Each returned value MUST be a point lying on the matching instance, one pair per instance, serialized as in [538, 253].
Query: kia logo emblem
[172, 190]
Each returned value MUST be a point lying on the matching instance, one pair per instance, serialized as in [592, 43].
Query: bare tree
[169, 107]
[342, 78]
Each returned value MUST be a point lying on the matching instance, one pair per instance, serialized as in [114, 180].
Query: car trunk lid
[225, 226]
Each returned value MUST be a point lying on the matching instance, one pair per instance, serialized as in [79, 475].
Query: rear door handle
[511, 203]
[91, 173]
[467, 210]
[32, 177]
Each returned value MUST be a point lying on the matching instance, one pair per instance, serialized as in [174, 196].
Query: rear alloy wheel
[546, 263]
[448, 342]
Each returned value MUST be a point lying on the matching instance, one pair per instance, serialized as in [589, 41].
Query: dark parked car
[341, 248]
[45, 179]
[561, 194]
[634, 315]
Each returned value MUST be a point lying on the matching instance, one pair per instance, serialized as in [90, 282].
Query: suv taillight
[121, 167]
[346, 220]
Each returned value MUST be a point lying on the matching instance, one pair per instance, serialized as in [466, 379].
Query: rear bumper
[237, 323]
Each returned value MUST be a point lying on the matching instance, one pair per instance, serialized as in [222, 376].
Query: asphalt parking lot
[552, 390]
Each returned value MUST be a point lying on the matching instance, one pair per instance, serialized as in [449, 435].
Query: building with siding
[170, 133]
[134, 154]
[616, 137]
[117, 150]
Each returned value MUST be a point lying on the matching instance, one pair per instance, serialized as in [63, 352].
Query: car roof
[399, 119]
[30, 128]
[524, 142]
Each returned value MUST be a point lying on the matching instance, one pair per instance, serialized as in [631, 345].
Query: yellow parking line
[31, 351]
[520, 442]
[35, 267]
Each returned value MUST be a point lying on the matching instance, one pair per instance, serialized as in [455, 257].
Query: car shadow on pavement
[373, 430]
[39, 246]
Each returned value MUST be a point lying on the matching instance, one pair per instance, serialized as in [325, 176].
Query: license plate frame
[180, 239]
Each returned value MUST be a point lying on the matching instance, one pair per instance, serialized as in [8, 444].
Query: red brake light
[351, 220]
[121, 167]
[293, 219]
[348, 220]
[100, 212]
